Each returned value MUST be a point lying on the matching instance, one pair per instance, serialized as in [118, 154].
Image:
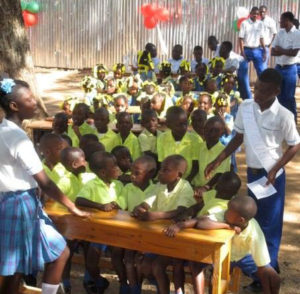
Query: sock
[49, 289]
[136, 289]
[87, 277]
[67, 283]
[124, 289]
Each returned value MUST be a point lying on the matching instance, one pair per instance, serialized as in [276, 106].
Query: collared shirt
[276, 124]
[233, 60]
[216, 53]
[84, 129]
[205, 156]
[132, 143]
[175, 64]
[148, 140]
[98, 191]
[251, 32]
[133, 196]
[156, 62]
[250, 241]
[269, 29]
[56, 173]
[166, 145]
[287, 40]
[109, 140]
[181, 195]
[194, 63]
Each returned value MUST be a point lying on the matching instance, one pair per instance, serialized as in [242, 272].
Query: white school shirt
[194, 63]
[287, 40]
[233, 60]
[156, 62]
[276, 125]
[269, 29]
[251, 32]
[19, 160]
[216, 53]
[175, 64]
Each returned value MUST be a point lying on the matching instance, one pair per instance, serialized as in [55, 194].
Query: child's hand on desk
[109, 206]
[76, 211]
[172, 230]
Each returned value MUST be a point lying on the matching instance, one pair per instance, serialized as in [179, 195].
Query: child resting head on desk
[249, 249]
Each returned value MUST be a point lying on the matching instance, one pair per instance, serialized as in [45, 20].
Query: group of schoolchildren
[157, 174]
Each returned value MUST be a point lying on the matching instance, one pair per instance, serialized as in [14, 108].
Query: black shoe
[254, 287]
[91, 287]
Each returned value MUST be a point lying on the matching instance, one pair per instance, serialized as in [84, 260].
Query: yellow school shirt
[56, 173]
[133, 196]
[181, 195]
[213, 205]
[166, 105]
[250, 241]
[132, 143]
[206, 156]
[109, 140]
[98, 191]
[84, 129]
[148, 141]
[166, 145]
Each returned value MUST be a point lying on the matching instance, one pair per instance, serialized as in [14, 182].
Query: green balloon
[235, 27]
[33, 7]
[23, 5]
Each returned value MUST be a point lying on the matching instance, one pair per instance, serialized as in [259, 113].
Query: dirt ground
[56, 84]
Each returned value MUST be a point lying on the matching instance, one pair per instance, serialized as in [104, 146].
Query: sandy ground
[56, 84]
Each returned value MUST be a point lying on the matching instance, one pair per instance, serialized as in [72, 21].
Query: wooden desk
[117, 228]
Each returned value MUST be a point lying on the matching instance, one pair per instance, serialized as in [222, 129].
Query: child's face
[168, 173]
[111, 171]
[198, 55]
[79, 164]
[120, 105]
[204, 103]
[150, 123]
[26, 103]
[229, 85]
[232, 217]
[124, 160]
[118, 74]
[156, 103]
[213, 131]
[176, 52]
[54, 149]
[218, 68]
[101, 75]
[211, 86]
[124, 125]
[140, 174]
[221, 109]
[187, 104]
[101, 121]
[198, 125]
[149, 89]
[185, 86]
[110, 88]
[133, 90]
[59, 125]
[79, 115]
[264, 93]
[178, 126]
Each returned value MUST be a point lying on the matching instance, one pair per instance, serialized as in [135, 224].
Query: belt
[256, 171]
[245, 47]
[284, 65]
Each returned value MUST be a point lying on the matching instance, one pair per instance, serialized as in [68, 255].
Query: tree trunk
[15, 57]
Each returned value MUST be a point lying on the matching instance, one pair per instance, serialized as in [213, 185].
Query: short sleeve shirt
[19, 160]
[212, 206]
[148, 141]
[181, 195]
[166, 145]
[276, 124]
[132, 143]
[109, 140]
[175, 64]
[84, 129]
[56, 173]
[250, 241]
[251, 32]
[269, 29]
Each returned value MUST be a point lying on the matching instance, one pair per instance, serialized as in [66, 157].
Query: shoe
[91, 288]
[254, 287]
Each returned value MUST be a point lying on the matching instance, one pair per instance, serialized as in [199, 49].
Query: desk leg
[217, 273]
[226, 272]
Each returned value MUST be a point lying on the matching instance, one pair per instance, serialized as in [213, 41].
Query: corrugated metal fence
[81, 33]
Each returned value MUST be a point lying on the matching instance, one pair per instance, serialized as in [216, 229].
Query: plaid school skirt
[28, 239]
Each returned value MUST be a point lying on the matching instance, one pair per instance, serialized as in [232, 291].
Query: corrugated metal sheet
[81, 33]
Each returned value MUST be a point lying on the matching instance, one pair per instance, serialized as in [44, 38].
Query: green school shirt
[214, 205]
[84, 129]
[148, 141]
[109, 140]
[181, 195]
[166, 145]
[132, 143]
[98, 191]
[56, 173]
[133, 196]
[205, 156]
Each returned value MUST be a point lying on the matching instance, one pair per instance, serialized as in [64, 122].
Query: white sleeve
[275, 42]
[296, 40]
[238, 123]
[242, 30]
[273, 27]
[24, 152]
[289, 130]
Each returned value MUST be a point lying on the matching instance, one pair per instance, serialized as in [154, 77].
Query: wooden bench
[117, 228]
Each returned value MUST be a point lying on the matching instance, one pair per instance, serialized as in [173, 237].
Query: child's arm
[156, 215]
[198, 191]
[205, 223]
[80, 201]
[269, 278]
[190, 212]
[172, 230]
[194, 171]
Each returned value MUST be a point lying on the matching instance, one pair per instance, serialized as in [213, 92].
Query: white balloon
[242, 12]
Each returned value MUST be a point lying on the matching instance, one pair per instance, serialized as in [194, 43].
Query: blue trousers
[243, 80]
[270, 214]
[256, 56]
[288, 87]
[298, 70]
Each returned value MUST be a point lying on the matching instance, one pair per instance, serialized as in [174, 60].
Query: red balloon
[239, 22]
[150, 22]
[163, 14]
[149, 10]
[30, 19]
